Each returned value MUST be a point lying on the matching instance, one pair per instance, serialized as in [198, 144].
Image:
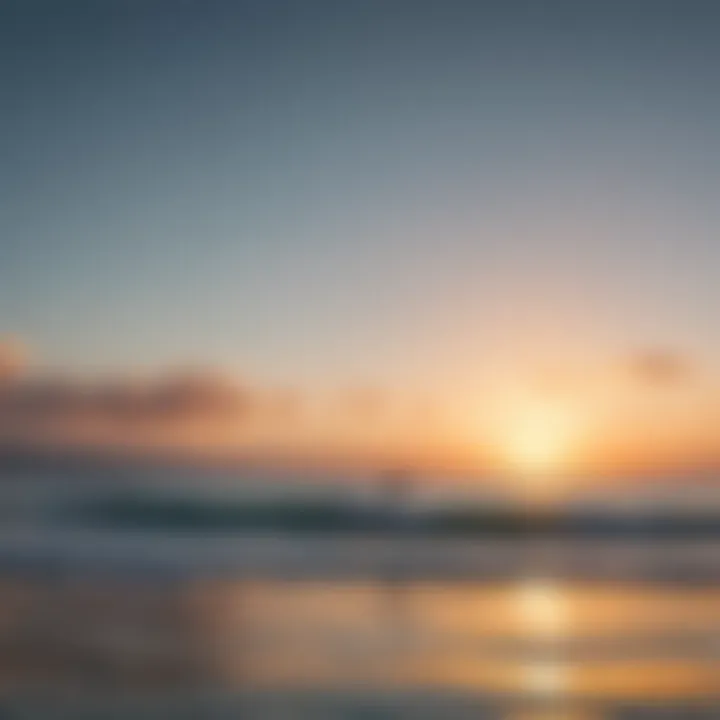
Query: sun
[538, 440]
[537, 449]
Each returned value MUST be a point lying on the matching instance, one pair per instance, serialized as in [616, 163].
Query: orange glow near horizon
[540, 431]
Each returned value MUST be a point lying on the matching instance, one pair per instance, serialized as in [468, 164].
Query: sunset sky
[479, 232]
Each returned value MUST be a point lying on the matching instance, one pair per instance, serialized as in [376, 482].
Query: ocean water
[116, 621]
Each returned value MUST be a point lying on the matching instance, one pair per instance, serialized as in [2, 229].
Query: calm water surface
[535, 637]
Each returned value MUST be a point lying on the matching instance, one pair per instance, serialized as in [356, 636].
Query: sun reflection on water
[542, 608]
[544, 614]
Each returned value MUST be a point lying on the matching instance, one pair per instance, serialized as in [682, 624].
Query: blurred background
[359, 359]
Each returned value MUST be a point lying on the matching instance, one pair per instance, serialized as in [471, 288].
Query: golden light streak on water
[544, 614]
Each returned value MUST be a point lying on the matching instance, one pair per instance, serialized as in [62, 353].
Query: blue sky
[395, 192]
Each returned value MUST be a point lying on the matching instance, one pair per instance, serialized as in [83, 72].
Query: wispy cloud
[13, 359]
[41, 407]
[660, 367]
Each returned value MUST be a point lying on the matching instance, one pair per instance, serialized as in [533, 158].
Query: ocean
[149, 619]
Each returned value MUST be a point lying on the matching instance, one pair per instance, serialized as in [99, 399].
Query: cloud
[182, 405]
[661, 367]
[196, 410]
[13, 359]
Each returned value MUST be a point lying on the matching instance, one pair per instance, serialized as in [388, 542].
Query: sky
[487, 222]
